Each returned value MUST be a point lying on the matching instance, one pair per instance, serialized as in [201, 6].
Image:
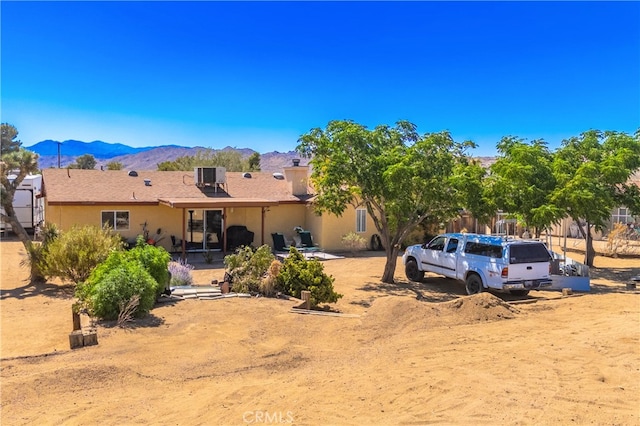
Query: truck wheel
[473, 284]
[412, 272]
[520, 293]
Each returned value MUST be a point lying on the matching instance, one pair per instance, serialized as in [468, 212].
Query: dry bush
[127, 310]
[354, 242]
[618, 241]
[269, 284]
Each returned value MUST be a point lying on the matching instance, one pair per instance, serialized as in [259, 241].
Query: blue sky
[260, 74]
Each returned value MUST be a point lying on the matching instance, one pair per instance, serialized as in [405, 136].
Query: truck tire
[520, 293]
[412, 272]
[473, 284]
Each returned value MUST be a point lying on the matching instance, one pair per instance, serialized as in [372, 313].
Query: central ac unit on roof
[208, 176]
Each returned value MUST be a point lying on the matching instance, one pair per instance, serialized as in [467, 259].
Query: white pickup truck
[482, 262]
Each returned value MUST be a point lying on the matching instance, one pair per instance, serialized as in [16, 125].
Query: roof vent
[246, 175]
[133, 173]
[278, 176]
[147, 182]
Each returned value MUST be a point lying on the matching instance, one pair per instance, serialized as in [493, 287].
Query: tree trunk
[589, 253]
[390, 265]
[16, 226]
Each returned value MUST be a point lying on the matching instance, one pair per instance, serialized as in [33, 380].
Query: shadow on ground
[57, 291]
[149, 321]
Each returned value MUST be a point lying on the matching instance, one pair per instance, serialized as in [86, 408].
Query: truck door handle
[529, 268]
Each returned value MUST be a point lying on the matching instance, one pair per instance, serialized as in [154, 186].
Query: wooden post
[306, 299]
[76, 339]
[75, 317]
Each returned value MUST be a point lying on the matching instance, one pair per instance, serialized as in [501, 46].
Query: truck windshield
[528, 253]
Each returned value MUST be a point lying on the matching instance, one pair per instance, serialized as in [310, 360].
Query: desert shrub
[298, 274]
[618, 241]
[36, 252]
[128, 310]
[208, 256]
[354, 242]
[114, 284]
[269, 283]
[180, 273]
[75, 253]
[154, 259]
[246, 268]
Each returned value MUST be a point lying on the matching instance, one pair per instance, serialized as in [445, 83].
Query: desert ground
[406, 353]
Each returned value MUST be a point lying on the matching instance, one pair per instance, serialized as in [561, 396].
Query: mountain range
[146, 158]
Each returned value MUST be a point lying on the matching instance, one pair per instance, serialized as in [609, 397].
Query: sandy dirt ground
[407, 354]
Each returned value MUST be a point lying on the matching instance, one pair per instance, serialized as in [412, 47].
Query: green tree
[9, 142]
[592, 173]
[470, 180]
[230, 159]
[254, 162]
[115, 165]
[16, 164]
[86, 162]
[401, 178]
[522, 181]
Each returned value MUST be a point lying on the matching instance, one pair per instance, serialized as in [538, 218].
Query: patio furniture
[279, 243]
[176, 244]
[307, 240]
[238, 235]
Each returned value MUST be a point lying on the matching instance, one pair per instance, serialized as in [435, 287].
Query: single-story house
[197, 209]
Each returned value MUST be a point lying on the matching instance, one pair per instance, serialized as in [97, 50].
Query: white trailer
[27, 203]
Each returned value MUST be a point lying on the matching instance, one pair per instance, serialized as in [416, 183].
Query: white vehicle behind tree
[482, 262]
[27, 203]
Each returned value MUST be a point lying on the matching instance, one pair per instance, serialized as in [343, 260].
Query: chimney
[297, 177]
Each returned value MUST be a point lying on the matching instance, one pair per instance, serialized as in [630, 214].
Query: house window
[621, 215]
[118, 220]
[361, 220]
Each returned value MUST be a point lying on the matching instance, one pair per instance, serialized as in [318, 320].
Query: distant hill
[140, 158]
[73, 148]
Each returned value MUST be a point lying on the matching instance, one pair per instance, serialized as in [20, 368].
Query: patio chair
[176, 244]
[278, 242]
[306, 239]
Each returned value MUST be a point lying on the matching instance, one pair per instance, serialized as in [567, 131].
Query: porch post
[184, 235]
[264, 210]
[224, 232]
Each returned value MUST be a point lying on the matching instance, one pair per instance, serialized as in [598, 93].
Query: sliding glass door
[204, 230]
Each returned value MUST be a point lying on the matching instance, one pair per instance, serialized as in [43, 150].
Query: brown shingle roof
[75, 186]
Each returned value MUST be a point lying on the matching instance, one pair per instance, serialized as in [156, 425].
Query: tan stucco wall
[327, 230]
[168, 219]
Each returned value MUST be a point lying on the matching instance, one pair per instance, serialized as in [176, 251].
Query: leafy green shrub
[354, 242]
[247, 267]
[75, 253]
[141, 271]
[154, 259]
[298, 274]
[114, 284]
